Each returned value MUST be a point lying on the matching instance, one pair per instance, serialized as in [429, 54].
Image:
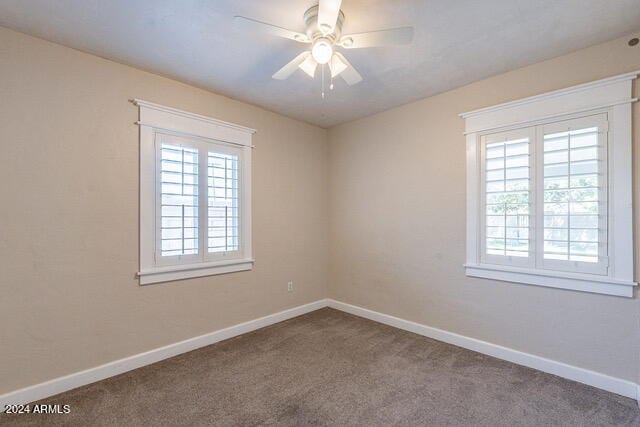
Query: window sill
[553, 279]
[179, 272]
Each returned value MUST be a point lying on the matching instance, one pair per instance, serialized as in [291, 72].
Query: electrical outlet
[290, 287]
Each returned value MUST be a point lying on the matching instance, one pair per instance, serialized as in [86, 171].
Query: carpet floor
[332, 368]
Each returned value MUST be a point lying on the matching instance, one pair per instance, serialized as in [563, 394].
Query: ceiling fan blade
[257, 27]
[349, 74]
[336, 65]
[309, 66]
[393, 36]
[328, 11]
[286, 71]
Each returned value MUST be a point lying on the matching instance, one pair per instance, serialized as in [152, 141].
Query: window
[194, 195]
[187, 204]
[549, 189]
[570, 207]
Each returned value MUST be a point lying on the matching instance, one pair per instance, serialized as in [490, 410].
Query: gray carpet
[332, 368]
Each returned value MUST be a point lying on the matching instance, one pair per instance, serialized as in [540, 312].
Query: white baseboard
[585, 376]
[68, 382]
[78, 379]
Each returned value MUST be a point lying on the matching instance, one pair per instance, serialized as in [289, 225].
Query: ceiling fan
[323, 24]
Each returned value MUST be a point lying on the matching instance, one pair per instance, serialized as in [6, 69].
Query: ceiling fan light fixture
[322, 51]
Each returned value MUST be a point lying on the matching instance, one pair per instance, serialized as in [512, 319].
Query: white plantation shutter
[178, 228]
[223, 203]
[198, 212]
[507, 197]
[545, 196]
[574, 213]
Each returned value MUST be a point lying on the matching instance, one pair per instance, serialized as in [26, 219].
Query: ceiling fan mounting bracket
[314, 32]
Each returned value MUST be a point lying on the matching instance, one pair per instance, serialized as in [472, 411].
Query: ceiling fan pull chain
[330, 76]
[322, 81]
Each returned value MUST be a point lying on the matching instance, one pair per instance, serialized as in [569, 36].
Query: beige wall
[397, 226]
[69, 215]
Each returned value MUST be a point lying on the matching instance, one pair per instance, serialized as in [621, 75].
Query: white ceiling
[456, 42]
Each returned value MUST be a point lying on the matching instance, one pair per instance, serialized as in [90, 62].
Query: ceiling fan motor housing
[313, 30]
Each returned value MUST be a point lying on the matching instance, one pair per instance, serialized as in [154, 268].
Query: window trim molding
[155, 118]
[613, 96]
[552, 279]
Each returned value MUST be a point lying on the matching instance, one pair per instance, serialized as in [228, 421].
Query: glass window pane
[556, 208]
[556, 196]
[517, 233]
[556, 142]
[579, 154]
[495, 163]
[516, 148]
[584, 207]
[497, 232]
[586, 167]
[493, 243]
[517, 220]
[556, 170]
[581, 248]
[556, 234]
[556, 221]
[495, 220]
[495, 186]
[517, 161]
[556, 157]
[584, 138]
[517, 184]
[497, 151]
[561, 182]
[521, 245]
[517, 173]
[584, 195]
[584, 221]
[584, 181]
[556, 247]
[584, 235]
[495, 175]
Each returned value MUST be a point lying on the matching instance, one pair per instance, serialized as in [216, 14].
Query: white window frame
[611, 96]
[155, 121]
